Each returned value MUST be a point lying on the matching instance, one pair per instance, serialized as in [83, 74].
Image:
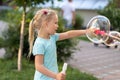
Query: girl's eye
[56, 22]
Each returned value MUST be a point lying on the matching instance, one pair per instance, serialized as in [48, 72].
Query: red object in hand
[102, 32]
[99, 32]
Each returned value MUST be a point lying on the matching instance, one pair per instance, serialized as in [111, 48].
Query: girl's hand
[91, 31]
[60, 76]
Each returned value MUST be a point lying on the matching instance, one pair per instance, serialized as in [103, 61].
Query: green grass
[75, 74]
[8, 71]
[83, 38]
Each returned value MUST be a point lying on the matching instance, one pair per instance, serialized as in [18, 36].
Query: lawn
[84, 37]
[8, 71]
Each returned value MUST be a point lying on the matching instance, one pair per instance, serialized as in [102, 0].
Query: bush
[78, 22]
[10, 41]
[64, 47]
[11, 37]
[113, 14]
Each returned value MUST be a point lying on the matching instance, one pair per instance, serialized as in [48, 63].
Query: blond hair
[43, 15]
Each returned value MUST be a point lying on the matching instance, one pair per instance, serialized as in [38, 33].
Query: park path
[102, 62]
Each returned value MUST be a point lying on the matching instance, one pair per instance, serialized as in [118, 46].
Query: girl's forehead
[56, 17]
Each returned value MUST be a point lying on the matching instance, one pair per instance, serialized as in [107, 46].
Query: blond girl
[45, 23]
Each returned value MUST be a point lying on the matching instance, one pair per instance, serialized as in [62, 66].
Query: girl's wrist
[86, 31]
[55, 76]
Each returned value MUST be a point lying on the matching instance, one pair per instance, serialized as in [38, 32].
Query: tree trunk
[118, 3]
[20, 51]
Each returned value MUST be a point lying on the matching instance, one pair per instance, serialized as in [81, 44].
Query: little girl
[45, 23]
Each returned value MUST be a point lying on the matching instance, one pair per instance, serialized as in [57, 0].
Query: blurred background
[15, 16]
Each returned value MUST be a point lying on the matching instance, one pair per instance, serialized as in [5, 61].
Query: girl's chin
[52, 33]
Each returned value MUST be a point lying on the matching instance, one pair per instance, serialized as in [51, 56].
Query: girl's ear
[46, 23]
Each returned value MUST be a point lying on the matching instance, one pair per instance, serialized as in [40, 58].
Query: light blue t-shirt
[46, 47]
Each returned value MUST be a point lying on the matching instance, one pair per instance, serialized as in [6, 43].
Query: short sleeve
[38, 48]
[56, 36]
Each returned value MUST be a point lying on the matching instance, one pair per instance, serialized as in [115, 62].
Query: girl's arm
[71, 34]
[40, 67]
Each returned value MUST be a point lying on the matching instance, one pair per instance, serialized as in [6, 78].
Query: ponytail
[31, 37]
[37, 23]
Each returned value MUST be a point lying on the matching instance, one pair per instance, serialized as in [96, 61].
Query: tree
[112, 12]
[24, 4]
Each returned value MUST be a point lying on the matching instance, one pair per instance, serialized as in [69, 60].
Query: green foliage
[65, 47]
[74, 74]
[11, 16]
[11, 36]
[10, 40]
[26, 2]
[83, 38]
[78, 22]
[113, 14]
[8, 71]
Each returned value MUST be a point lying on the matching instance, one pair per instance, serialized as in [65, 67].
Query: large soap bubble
[102, 26]
[113, 39]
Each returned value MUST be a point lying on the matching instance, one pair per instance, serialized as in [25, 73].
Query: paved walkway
[100, 61]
